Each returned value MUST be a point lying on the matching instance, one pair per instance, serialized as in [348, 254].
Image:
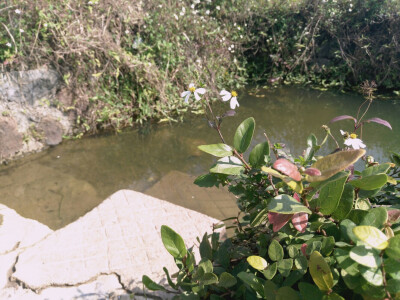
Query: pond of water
[60, 184]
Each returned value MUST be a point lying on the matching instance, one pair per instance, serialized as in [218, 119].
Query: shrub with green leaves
[310, 227]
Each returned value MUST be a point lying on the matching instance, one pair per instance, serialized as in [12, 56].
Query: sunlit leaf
[370, 182]
[285, 204]
[286, 167]
[377, 169]
[372, 275]
[270, 271]
[393, 215]
[229, 165]
[366, 256]
[300, 221]
[372, 236]
[334, 163]
[275, 251]
[278, 220]
[257, 262]
[285, 266]
[173, 242]
[376, 217]
[151, 285]
[320, 272]
[260, 218]
[258, 153]
[244, 134]
[208, 279]
[219, 150]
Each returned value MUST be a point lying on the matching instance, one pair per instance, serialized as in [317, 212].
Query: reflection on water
[59, 185]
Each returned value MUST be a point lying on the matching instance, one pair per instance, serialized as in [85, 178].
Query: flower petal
[187, 97]
[200, 90]
[196, 96]
[185, 93]
[224, 92]
[342, 132]
[191, 85]
[226, 97]
[234, 103]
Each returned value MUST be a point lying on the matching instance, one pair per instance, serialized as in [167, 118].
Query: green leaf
[330, 195]
[342, 256]
[219, 150]
[151, 285]
[244, 134]
[372, 236]
[229, 165]
[346, 230]
[301, 262]
[373, 276]
[393, 286]
[366, 256]
[207, 180]
[357, 215]
[258, 154]
[286, 293]
[275, 251]
[352, 282]
[376, 217]
[208, 278]
[332, 296]
[345, 203]
[205, 248]
[285, 204]
[257, 262]
[285, 266]
[270, 290]
[310, 291]
[173, 242]
[392, 267]
[382, 168]
[370, 182]
[334, 163]
[171, 284]
[257, 284]
[206, 265]
[393, 249]
[312, 146]
[270, 271]
[328, 243]
[260, 218]
[320, 272]
[226, 280]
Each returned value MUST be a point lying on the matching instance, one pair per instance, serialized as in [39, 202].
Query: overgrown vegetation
[125, 61]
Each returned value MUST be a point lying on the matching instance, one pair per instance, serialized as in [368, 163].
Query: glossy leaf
[286, 167]
[379, 121]
[285, 266]
[377, 169]
[285, 204]
[229, 165]
[334, 163]
[372, 236]
[301, 263]
[261, 217]
[345, 262]
[366, 256]
[173, 242]
[258, 154]
[370, 182]
[151, 285]
[320, 272]
[244, 134]
[275, 251]
[345, 204]
[270, 271]
[393, 249]
[330, 195]
[343, 117]
[226, 280]
[313, 172]
[206, 180]
[373, 276]
[257, 262]
[219, 150]
[376, 217]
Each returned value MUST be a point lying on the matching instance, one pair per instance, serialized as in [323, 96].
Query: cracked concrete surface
[102, 255]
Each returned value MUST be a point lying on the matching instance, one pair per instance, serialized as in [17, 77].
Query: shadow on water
[61, 184]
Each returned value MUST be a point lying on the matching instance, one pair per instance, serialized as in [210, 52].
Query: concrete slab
[121, 236]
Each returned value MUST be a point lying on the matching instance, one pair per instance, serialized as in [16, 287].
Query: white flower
[207, 12]
[218, 7]
[230, 96]
[192, 89]
[8, 44]
[21, 30]
[176, 17]
[17, 11]
[352, 140]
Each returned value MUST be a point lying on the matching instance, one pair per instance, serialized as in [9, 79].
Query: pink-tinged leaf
[379, 121]
[343, 117]
[286, 167]
[303, 249]
[278, 220]
[300, 221]
[393, 215]
[313, 172]
[296, 196]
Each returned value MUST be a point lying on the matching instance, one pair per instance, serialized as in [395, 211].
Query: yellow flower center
[234, 94]
[353, 136]
[192, 89]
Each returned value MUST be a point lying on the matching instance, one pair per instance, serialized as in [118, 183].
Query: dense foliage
[125, 61]
[310, 227]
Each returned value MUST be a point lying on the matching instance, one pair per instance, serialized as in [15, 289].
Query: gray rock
[28, 86]
[10, 138]
[52, 131]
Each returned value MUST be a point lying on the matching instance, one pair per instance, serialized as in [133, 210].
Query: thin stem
[359, 121]
[272, 184]
[358, 112]
[269, 143]
[384, 278]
